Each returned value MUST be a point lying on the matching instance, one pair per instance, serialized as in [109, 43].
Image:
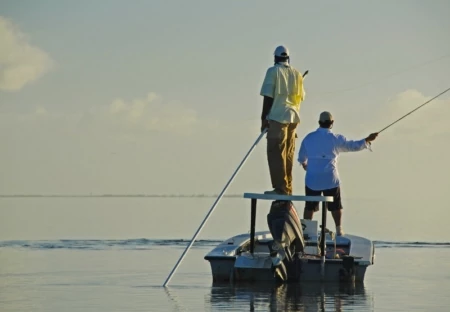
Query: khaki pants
[280, 155]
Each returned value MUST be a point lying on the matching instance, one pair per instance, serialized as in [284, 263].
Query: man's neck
[285, 63]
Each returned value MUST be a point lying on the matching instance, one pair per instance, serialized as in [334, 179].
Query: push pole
[214, 206]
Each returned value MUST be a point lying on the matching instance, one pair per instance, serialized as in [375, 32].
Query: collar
[283, 64]
[323, 129]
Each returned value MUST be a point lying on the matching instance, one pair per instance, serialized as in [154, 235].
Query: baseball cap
[281, 51]
[325, 116]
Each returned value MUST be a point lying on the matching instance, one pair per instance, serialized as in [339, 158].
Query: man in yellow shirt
[283, 93]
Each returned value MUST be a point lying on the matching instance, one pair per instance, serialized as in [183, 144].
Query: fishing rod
[413, 110]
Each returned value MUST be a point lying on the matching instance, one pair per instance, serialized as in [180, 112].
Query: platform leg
[252, 225]
[322, 240]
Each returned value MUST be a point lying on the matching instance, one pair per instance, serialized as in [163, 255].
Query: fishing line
[413, 110]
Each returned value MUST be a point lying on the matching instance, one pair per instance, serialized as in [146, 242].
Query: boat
[291, 250]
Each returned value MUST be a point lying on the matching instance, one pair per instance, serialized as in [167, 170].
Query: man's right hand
[264, 124]
[371, 137]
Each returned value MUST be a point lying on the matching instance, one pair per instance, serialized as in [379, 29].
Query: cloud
[20, 62]
[148, 118]
[152, 114]
[120, 117]
[428, 121]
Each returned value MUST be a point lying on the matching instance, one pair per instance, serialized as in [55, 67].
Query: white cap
[281, 51]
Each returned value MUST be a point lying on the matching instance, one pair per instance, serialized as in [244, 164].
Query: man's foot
[340, 231]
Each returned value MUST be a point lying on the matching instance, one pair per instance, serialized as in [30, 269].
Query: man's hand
[371, 137]
[264, 124]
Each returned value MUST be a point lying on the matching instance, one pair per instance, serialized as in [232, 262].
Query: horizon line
[193, 195]
[123, 195]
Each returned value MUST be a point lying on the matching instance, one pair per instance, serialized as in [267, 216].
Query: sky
[162, 97]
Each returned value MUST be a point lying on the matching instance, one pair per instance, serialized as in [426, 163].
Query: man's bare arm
[267, 105]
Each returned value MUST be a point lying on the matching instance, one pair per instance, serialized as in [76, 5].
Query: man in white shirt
[318, 155]
[283, 93]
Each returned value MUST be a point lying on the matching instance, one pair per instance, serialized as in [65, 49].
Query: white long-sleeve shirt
[319, 151]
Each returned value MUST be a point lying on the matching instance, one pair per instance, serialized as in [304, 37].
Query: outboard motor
[285, 227]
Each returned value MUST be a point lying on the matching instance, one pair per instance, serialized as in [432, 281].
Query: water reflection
[290, 297]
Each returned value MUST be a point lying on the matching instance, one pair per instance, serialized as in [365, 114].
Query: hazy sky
[163, 96]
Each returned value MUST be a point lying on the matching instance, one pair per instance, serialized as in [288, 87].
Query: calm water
[126, 275]
[50, 262]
